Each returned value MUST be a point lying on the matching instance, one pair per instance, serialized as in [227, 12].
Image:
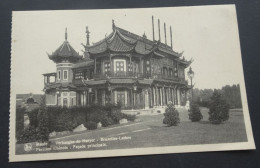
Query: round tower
[61, 91]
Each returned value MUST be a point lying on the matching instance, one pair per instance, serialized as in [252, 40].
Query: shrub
[33, 117]
[43, 131]
[106, 121]
[171, 116]
[194, 112]
[91, 125]
[116, 116]
[129, 117]
[19, 125]
[218, 109]
[53, 114]
[28, 135]
[64, 121]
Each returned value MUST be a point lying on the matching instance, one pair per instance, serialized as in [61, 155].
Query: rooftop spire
[113, 24]
[144, 35]
[87, 35]
[66, 34]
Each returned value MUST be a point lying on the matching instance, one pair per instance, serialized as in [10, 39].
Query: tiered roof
[122, 41]
[65, 52]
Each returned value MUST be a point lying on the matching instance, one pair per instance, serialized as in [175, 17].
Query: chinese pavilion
[123, 67]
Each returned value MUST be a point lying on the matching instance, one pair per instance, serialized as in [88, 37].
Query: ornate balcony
[108, 75]
[118, 75]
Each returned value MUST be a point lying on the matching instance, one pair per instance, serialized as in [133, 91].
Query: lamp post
[58, 93]
[191, 76]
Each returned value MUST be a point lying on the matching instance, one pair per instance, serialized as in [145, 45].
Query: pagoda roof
[65, 51]
[121, 40]
[84, 63]
[59, 86]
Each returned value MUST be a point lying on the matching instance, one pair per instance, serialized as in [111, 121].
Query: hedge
[66, 119]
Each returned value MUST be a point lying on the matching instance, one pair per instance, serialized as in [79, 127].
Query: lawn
[150, 132]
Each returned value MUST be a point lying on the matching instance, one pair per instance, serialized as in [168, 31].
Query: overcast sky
[208, 34]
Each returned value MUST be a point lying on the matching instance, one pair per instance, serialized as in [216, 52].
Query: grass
[150, 132]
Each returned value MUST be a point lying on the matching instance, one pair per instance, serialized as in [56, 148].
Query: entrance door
[121, 98]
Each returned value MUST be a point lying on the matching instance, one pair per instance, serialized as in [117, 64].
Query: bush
[58, 119]
[107, 121]
[171, 116]
[43, 130]
[28, 135]
[117, 116]
[194, 112]
[218, 109]
[19, 125]
[129, 117]
[33, 117]
[64, 121]
[91, 125]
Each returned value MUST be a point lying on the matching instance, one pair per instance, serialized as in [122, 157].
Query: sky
[208, 34]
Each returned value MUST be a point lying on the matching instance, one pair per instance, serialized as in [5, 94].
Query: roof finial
[113, 24]
[144, 35]
[66, 34]
[87, 32]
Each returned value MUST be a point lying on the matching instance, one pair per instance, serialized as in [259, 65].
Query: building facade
[122, 68]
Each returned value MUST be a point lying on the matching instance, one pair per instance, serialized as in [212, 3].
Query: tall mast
[171, 34]
[165, 33]
[153, 27]
[159, 30]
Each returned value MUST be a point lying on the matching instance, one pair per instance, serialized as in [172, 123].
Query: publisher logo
[28, 147]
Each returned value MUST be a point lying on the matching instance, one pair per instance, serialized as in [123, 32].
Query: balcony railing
[166, 77]
[118, 75]
[137, 75]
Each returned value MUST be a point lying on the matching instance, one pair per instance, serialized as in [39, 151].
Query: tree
[218, 109]
[194, 112]
[42, 130]
[171, 116]
[232, 95]
[20, 111]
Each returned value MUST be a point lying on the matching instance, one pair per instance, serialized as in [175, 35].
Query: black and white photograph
[121, 82]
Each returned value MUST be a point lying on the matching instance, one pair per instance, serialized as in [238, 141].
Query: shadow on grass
[204, 122]
[211, 123]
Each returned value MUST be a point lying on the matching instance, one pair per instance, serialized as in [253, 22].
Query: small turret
[64, 57]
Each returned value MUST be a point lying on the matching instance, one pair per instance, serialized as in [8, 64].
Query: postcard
[121, 82]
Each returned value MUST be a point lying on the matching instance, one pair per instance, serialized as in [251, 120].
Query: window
[65, 75]
[59, 75]
[120, 66]
[107, 67]
[147, 66]
[78, 75]
[130, 67]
